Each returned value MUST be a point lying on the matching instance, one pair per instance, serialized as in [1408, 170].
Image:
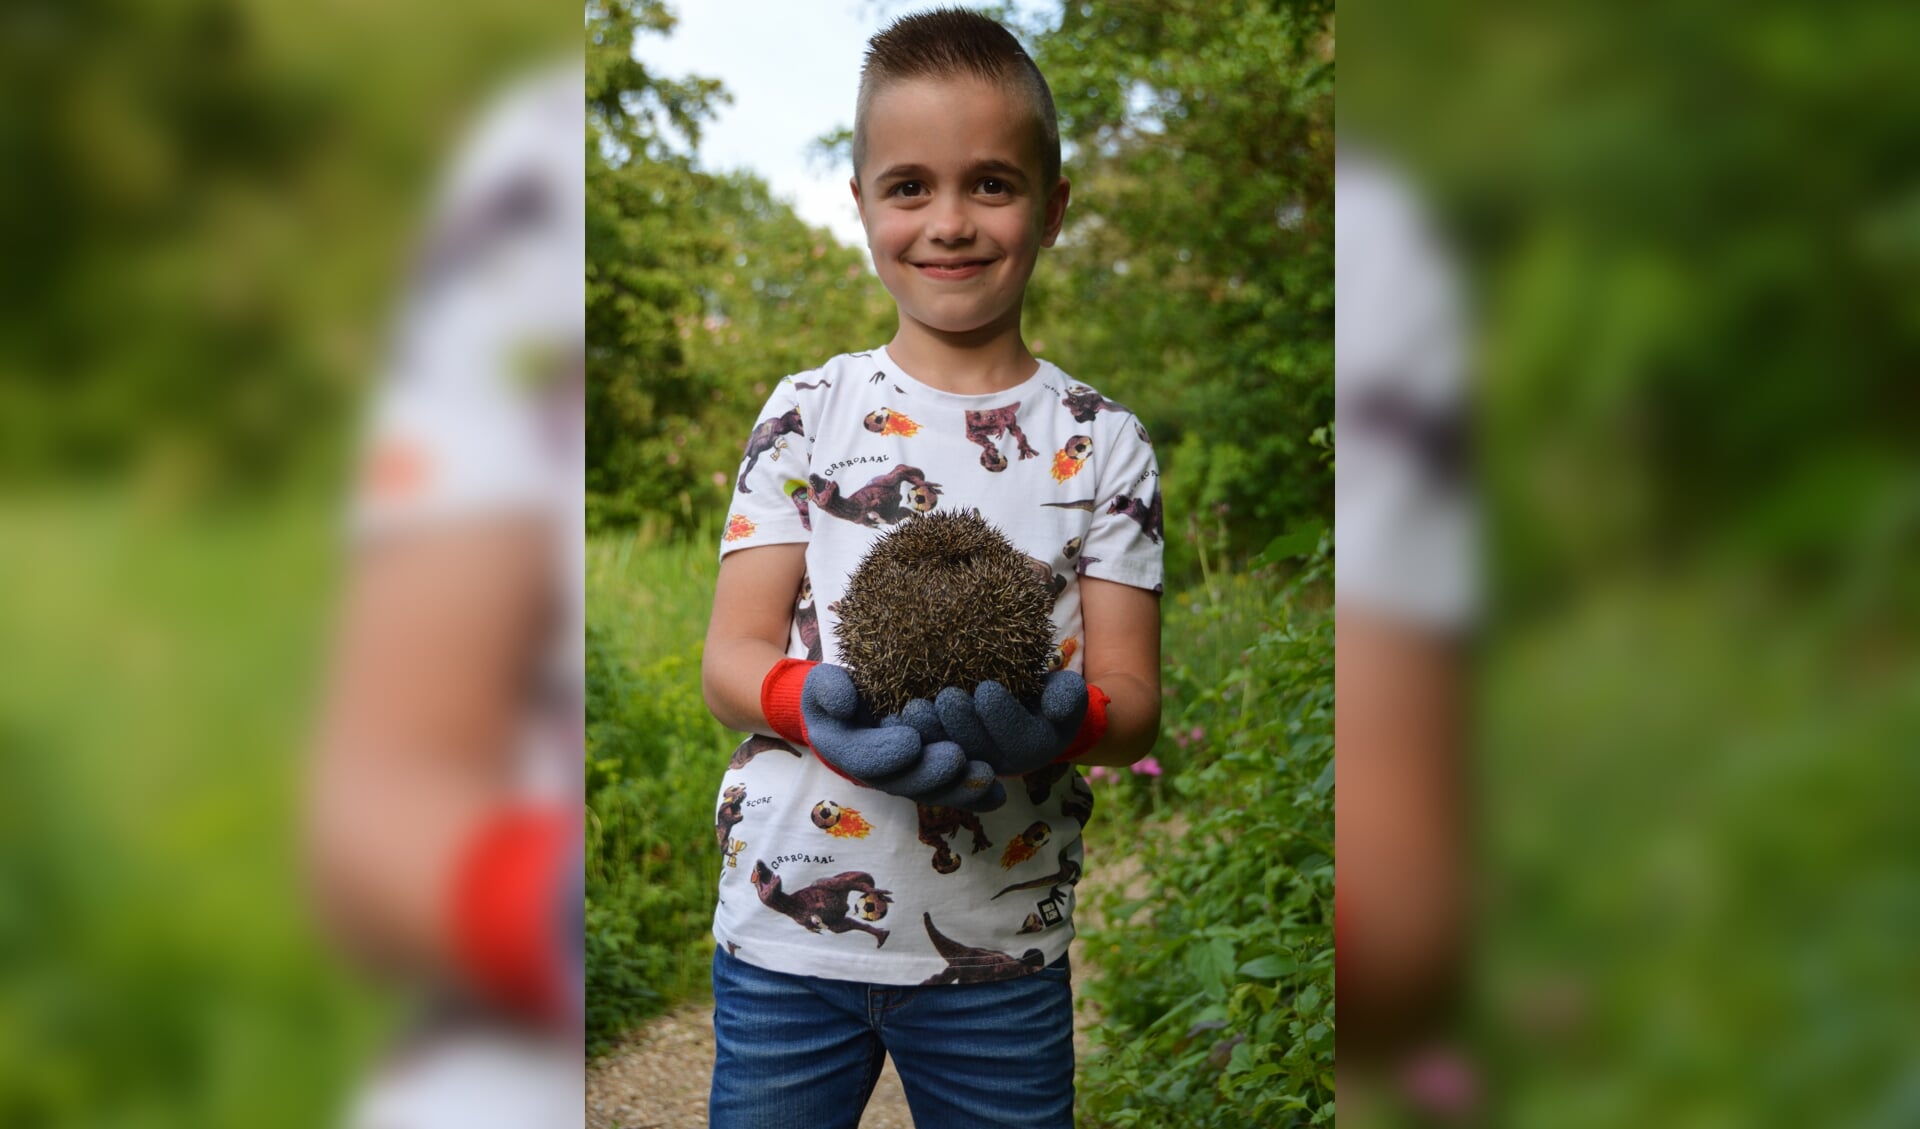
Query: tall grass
[654, 759]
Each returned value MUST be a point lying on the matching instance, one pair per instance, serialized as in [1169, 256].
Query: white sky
[792, 67]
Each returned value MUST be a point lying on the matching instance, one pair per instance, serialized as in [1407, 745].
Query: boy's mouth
[952, 269]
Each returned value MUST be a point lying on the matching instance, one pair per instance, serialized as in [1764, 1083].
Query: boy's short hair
[950, 42]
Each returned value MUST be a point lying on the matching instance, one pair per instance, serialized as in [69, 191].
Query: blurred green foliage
[1194, 282]
[1701, 865]
[1694, 242]
[210, 212]
[159, 965]
[1691, 230]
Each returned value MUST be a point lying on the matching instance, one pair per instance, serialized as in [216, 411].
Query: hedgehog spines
[942, 600]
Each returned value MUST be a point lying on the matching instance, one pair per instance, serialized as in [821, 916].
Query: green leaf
[1212, 966]
[1270, 967]
[1300, 541]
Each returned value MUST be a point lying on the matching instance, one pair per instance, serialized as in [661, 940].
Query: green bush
[1216, 984]
[654, 758]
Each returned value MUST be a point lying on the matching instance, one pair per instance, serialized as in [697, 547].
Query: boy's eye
[909, 188]
[994, 186]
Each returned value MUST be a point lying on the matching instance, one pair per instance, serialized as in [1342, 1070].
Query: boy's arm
[422, 856]
[752, 616]
[1123, 659]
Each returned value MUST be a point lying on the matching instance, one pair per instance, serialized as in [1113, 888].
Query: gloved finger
[962, 722]
[977, 791]
[1019, 733]
[830, 688]
[919, 715]
[941, 764]
[1063, 701]
[866, 753]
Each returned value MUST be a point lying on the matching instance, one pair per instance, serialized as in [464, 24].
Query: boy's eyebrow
[920, 172]
[901, 172]
[1004, 168]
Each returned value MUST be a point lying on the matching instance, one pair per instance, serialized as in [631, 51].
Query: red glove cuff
[506, 934]
[780, 698]
[1092, 727]
[780, 703]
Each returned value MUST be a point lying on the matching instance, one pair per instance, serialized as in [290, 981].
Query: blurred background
[1689, 237]
[1193, 282]
[212, 213]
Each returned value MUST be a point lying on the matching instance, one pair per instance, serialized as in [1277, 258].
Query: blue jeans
[803, 1051]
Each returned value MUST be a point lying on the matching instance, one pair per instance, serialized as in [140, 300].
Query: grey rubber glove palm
[1015, 738]
[906, 755]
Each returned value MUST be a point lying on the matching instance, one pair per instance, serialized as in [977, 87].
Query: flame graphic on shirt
[1018, 851]
[738, 526]
[1065, 466]
[1063, 654]
[897, 424]
[850, 825]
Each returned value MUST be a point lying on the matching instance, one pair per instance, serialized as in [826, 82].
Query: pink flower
[1443, 1081]
[1099, 772]
[1197, 734]
[1146, 766]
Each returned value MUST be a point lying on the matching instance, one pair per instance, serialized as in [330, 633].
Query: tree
[702, 290]
[1195, 278]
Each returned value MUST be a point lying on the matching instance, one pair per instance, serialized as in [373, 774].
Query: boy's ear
[853, 185]
[1056, 212]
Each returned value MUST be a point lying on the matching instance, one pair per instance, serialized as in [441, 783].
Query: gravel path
[659, 1078]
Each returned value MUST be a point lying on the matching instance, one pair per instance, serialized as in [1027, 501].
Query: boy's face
[952, 198]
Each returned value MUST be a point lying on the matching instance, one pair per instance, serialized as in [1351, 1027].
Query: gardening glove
[1017, 738]
[976, 790]
[891, 755]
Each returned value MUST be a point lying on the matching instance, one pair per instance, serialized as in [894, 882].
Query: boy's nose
[949, 222]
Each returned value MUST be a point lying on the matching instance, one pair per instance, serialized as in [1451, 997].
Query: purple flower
[1443, 1081]
[1146, 766]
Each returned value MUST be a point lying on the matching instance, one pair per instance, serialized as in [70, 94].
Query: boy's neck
[963, 367]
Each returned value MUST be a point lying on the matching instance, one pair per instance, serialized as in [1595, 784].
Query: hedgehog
[944, 600]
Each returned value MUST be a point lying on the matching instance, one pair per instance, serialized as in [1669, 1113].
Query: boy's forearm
[1133, 721]
[731, 674]
[752, 612]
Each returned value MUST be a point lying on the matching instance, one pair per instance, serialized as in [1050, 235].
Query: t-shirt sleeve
[480, 405]
[438, 454]
[1405, 515]
[769, 501]
[1124, 541]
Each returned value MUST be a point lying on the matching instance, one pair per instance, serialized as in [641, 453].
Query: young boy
[906, 886]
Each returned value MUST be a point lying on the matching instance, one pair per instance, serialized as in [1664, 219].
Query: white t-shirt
[823, 877]
[1405, 518]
